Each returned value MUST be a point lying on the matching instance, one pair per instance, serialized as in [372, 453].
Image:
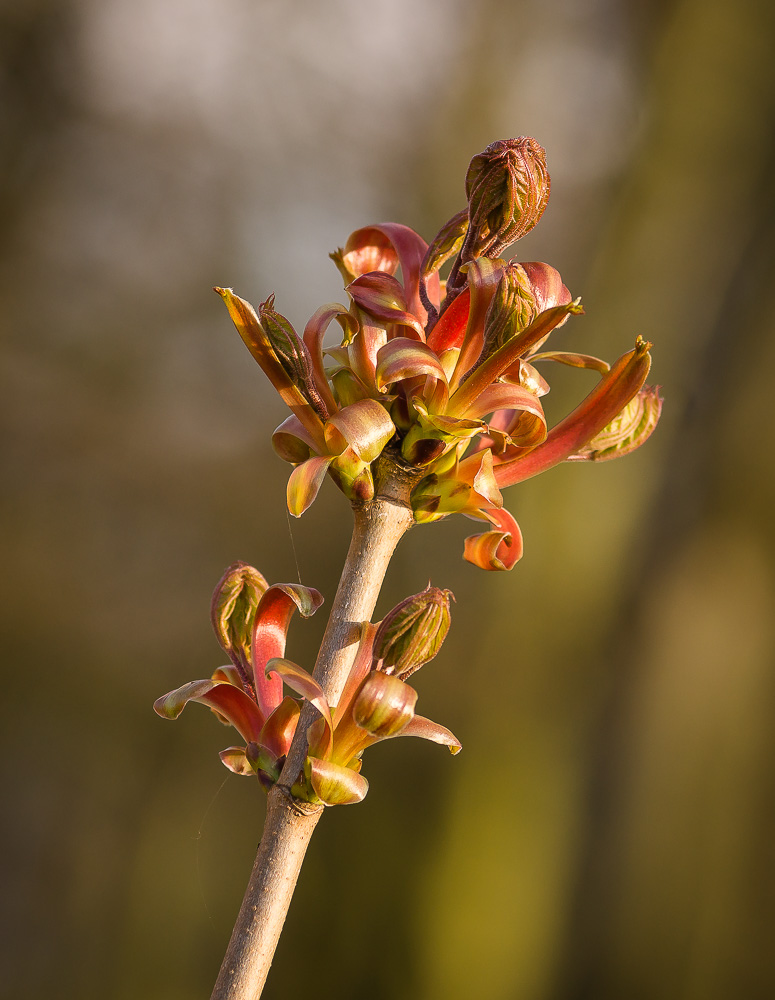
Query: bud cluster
[251, 620]
[445, 377]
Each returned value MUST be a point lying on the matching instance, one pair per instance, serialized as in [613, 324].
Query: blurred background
[607, 831]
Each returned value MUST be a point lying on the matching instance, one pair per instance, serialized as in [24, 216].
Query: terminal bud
[507, 186]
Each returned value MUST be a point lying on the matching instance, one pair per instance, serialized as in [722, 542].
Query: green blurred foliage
[607, 831]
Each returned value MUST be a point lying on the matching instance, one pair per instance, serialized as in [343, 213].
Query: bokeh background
[607, 831]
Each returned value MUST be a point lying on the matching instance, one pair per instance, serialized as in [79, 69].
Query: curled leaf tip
[631, 428]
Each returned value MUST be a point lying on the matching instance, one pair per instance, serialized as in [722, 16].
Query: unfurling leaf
[629, 430]
[233, 610]
[507, 186]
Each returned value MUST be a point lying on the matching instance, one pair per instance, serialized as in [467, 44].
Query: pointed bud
[384, 705]
[507, 187]
[292, 353]
[627, 431]
[233, 610]
[412, 633]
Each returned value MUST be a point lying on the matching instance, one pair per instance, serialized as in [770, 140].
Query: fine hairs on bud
[507, 186]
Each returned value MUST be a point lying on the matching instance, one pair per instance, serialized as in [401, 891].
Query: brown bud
[233, 610]
[507, 187]
[412, 633]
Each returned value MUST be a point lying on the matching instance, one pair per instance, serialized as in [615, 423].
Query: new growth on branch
[429, 404]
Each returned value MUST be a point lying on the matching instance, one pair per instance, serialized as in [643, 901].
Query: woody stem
[289, 825]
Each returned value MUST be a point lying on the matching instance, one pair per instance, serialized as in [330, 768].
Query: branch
[289, 825]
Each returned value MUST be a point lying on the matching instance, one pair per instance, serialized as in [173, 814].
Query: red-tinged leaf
[427, 730]
[303, 683]
[362, 352]
[495, 550]
[408, 250]
[230, 703]
[495, 438]
[529, 428]
[368, 249]
[484, 483]
[232, 609]
[524, 374]
[573, 360]
[364, 426]
[402, 358]
[236, 760]
[483, 277]
[606, 401]
[228, 675]
[631, 428]
[359, 670]
[478, 470]
[279, 728]
[335, 785]
[546, 284]
[451, 327]
[381, 296]
[314, 332]
[384, 705]
[293, 442]
[491, 369]
[249, 328]
[273, 617]
[304, 483]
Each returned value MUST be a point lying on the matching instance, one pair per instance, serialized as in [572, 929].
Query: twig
[379, 526]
